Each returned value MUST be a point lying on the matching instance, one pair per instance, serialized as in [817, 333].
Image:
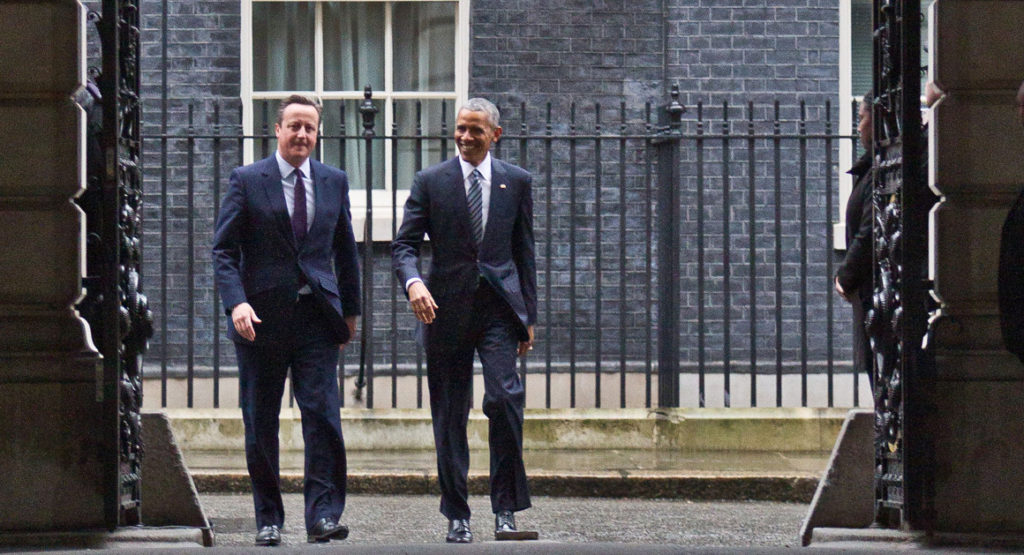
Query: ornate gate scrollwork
[898, 319]
[116, 309]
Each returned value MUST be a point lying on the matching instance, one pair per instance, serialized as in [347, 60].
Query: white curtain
[353, 45]
[424, 46]
[282, 40]
[353, 58]
[429, 124]
[424, 60]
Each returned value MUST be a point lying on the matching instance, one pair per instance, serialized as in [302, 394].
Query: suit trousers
[310, 350]
[450, 381]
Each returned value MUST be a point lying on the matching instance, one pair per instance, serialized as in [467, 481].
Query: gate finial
[675, 109]
[368, 110]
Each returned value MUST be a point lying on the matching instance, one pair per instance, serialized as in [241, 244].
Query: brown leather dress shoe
[458, 531]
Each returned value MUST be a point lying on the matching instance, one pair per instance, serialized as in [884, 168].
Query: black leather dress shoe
[505, 528]
[458, 531]
[269, 535]
[326, 530]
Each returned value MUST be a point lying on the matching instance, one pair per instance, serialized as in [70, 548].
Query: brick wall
[577, 53]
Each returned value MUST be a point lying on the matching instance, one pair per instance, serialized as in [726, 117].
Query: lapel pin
[502, 186]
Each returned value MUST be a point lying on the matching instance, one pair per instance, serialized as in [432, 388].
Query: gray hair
[485, 106]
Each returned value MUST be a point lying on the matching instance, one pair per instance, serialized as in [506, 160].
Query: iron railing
[757, 196]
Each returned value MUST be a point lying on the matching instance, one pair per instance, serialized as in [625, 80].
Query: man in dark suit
[286, 268]
[480, 296]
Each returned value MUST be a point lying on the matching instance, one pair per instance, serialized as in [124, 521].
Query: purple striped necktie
[299, 217]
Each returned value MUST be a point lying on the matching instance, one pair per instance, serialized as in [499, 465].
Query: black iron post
[122, 323]
[668, 144]
[369, 111]
[110, 338]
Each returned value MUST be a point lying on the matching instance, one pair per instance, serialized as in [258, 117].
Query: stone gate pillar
[49, 409]
[977, 165]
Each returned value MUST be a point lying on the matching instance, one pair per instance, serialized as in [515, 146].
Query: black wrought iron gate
[114, 306]
[899, 318]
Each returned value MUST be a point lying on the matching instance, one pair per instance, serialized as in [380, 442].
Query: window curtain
[424, 46]
[354, 58]
[424, 60]
[282, 39]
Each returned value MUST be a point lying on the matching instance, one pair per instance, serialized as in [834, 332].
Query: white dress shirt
[485, 184]
[288, 184]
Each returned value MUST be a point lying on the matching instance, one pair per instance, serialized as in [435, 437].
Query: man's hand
[243, 317]
[422, 303]
[526, 346]
[350, 321]
[839, 289]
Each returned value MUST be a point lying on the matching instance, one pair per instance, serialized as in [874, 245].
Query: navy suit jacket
[437, 207]
[257, 260]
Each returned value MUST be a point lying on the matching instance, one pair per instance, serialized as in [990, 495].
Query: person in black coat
[853, 279]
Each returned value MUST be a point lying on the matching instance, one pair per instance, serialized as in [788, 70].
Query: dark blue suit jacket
[437, 207]
[257, 260]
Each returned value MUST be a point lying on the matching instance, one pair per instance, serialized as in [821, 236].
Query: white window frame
[846, 115]
[381, 198]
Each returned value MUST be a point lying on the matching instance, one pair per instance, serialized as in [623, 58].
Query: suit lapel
[275, 196]
[455, 189]
[499, 193]
[320, 201]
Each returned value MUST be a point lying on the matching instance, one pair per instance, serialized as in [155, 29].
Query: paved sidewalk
[414, 523]
[402, 524]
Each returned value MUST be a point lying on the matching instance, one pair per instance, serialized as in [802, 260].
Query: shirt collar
[484, 167]
[286, 169]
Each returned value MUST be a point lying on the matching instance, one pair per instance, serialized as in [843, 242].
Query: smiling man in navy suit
[480, 296]
[285, 263]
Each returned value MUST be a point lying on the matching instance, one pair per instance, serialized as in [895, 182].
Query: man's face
[474, 135]
[296, 134]
[864, 127]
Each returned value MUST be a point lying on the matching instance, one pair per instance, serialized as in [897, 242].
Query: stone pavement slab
[705, 475]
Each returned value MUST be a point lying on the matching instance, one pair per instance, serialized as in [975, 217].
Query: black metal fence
[756, 193]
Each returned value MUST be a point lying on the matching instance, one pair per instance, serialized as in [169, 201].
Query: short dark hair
[866, 102]
[298, 99]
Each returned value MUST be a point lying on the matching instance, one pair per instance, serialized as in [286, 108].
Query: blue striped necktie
[475, 201]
